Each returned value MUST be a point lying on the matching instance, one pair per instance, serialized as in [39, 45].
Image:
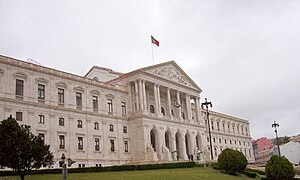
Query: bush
[232, 161]
[278, 168]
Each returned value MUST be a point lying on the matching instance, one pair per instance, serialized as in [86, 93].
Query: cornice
[163, 120]
[60, 74]
[231, 135]
[225, 116]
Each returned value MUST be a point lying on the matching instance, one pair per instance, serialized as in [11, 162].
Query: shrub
[232, 161]
[278, 168]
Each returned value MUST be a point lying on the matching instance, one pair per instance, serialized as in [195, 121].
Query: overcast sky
[244, 55]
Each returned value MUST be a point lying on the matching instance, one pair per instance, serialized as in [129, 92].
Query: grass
[162, 174]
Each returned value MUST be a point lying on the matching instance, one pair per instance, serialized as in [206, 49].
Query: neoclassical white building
[108, 118]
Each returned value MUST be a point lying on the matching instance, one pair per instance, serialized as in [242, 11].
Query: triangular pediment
[171, 71]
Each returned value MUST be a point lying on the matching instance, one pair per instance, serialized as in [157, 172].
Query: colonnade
[174, 100]
[180, 143]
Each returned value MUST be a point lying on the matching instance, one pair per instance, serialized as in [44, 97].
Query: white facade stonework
[108, 118]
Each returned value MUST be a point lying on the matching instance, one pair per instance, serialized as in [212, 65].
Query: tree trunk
[22, 176]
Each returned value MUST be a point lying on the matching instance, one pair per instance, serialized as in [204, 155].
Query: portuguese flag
[154, 41]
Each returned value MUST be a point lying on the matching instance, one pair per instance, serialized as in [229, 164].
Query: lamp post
[206, 104]
[63, 163]
[275, 125]
[64, 167]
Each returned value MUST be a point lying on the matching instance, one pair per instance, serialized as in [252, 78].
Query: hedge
[189, 164]
[250, 174]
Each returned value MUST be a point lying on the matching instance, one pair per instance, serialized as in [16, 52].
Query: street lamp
[63, 164]
[275, 125]
[206, 104]
[64, 167]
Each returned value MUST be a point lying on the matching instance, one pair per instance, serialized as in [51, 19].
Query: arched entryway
[153, 139]
[168, 140]
[198, 142]
[178, 144]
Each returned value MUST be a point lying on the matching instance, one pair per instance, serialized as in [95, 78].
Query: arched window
[162, 110]
[172, 112]
[152, 109]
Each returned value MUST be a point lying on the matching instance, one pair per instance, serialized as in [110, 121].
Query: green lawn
[184, 173]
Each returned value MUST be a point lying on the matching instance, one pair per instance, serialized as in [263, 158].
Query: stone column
[179, 108]
[197, 107]
[158, 101]
[155, 98]
[183, 148]
[160, 143]
[168, 102]
[193, 144]
[136, 105]
[141, 97]
[144, 94]
[130, 103]
[188, 106]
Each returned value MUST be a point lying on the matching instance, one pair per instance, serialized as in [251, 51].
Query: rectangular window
[212, 125]
[126, 146]
[123, 106]
[216, 153]
[80, 143]
[61, 142]
[214, 139]
[220, 141]
[124, 129]
[41, 92]
[42, 136]
[96, 127]
[111, 128]
[19, 87]
[61, 121]
[95, 103]
[228, 128]
[41, 119]
[97, 144]
[79, 124]
[110, 105]
[78, 99]
[61, 96]
[218, 126]
[19, 116]
[112, 145]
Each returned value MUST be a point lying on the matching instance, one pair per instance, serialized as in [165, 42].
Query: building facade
[263, 150]
[108, 118]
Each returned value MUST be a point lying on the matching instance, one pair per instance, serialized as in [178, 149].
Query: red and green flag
[154, 41]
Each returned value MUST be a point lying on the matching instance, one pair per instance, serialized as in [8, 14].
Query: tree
[278, 168]
[232, 161]
[21, 150]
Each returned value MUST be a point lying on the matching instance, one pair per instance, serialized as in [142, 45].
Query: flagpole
[152, 51]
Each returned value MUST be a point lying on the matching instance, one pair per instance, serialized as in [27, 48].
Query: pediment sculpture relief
[172, 74]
